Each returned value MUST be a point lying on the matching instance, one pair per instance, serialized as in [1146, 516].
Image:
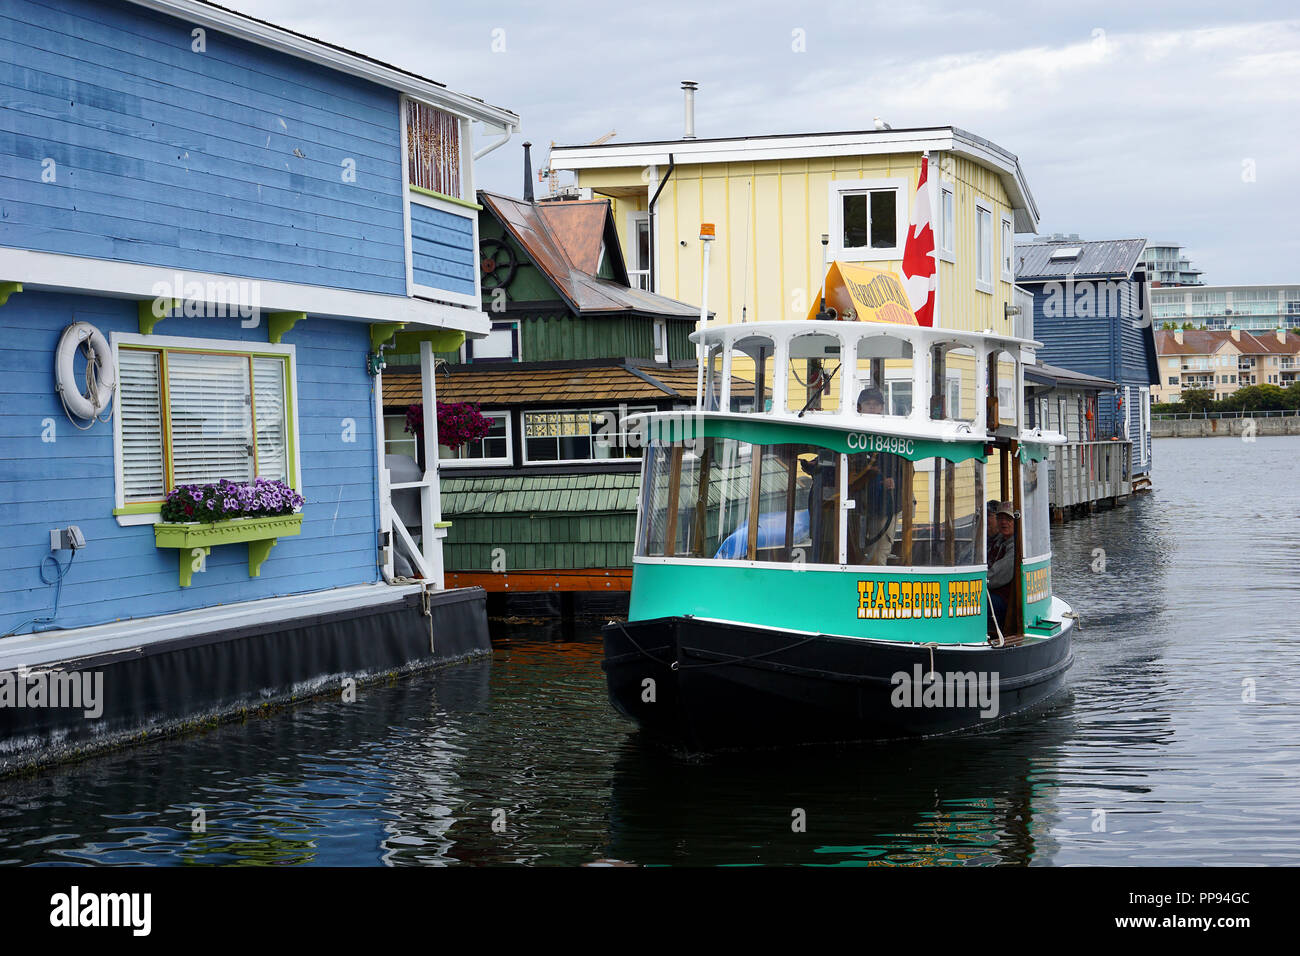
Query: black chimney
[528, 173]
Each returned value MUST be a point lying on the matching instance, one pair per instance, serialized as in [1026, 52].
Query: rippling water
[1150, 756]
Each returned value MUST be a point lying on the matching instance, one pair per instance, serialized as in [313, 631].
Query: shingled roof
[514, 383]
[1207, 341]
[564, 241]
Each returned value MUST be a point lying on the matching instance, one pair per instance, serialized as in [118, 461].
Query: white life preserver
[99, 379]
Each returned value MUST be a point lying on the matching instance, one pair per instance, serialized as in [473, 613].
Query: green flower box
[194, 537]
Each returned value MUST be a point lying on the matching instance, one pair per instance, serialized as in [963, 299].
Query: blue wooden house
[1091, 312]
[211, 230]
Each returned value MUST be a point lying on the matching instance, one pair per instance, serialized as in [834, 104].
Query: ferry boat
[813, 558]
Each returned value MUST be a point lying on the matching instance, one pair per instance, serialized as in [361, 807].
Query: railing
[1086, 471]
[1175, 416]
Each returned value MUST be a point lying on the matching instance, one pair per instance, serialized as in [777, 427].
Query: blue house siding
[442, 249]
[229, 161]
[121, 573]
[1111, 346]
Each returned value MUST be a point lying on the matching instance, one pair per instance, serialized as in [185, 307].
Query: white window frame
[509, 458]
[837, 189]
[983, 285]
[1007, 246]
[661, 327]
[635, 266]
[498, 325]
[118, 339]
[947, 246]
[623, 409]
[468, 192]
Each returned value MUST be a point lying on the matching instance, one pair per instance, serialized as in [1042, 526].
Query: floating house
[1091, 311]
[213, 228]
[545, 503]
[773, 198]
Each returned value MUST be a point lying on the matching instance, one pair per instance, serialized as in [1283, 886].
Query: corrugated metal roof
[1044, 374]
[1097, 259]
[564, 240]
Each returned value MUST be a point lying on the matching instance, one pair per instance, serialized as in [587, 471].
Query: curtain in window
[268, 403]
[211, 417]
[433, 149]
[140, 407]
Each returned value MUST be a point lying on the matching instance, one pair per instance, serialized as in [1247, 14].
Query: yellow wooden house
[772, 199]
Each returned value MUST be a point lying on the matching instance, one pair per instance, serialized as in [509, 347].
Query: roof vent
[688, 90]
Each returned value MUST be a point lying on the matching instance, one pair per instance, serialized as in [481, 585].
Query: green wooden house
[546, 503]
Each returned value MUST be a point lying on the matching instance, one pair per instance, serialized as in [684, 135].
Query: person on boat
[1002, 563]
[874, 480]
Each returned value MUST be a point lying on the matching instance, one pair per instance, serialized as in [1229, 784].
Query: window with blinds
[433, 149]
[198, 417]
[140, 407]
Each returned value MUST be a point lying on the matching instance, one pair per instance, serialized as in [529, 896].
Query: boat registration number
[890, 443]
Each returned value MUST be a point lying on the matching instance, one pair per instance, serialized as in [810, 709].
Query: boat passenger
[871, 401]
[1002, 563]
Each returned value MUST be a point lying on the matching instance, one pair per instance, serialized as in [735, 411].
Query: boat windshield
[725, 499]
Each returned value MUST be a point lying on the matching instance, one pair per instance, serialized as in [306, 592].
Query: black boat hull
[712, 685]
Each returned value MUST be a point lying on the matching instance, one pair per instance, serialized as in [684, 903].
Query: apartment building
[1224, 360]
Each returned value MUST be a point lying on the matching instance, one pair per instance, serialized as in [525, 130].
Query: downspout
[672, 164]
[505, 138]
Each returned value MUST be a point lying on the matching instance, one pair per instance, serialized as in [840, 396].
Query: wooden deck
[1086, 473]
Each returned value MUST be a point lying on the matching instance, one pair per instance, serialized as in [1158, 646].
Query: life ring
[100, 383]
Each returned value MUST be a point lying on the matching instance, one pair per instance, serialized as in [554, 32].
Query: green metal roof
[499, 495]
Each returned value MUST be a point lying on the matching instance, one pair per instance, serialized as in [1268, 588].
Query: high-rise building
[1259, 308]
[1166, 265]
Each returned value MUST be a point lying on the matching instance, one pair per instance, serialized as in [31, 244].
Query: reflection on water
[1149, 757]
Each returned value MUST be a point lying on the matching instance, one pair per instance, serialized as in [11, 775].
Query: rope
[92, 390]
[677, 665]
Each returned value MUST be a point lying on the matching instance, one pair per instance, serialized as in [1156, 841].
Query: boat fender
[100, 383]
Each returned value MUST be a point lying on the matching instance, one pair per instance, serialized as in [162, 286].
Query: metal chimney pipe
[528, 173]
[688, 88]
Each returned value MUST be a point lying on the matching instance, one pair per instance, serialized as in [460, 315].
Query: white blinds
[268, 400]
[209, 402]
[140, 407]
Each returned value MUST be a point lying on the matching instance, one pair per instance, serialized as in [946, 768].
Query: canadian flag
[919, 271]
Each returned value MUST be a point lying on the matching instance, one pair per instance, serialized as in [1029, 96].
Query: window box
[259, 533]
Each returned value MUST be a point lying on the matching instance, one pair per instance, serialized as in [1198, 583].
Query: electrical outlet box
[63, 539]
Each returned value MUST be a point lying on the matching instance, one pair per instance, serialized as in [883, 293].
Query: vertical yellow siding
[770, 216]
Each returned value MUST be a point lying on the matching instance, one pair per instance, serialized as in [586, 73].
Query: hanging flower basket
[195, 518]
[458, 423]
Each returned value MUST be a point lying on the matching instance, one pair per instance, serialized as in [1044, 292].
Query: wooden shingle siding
[228, 161]
[121, 573]
[442, 249]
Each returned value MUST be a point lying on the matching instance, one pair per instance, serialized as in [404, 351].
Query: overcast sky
[1129, 121]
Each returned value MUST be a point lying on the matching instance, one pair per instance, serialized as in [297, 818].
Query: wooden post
[791, 486]
[909, 513]
[949, 506]
[430, 497]
[674, 493]
[702, 501]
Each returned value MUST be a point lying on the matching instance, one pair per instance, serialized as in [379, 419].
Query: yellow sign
[865, 295]
[893, 600]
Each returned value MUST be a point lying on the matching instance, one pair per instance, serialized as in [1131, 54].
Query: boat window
[1003, 365]
[732, 500]
[880, 487]
[713, 379]
[955, 392]
[813, 377]
[1035, 513]
[884, 382]
[946, 523]
[753, 370]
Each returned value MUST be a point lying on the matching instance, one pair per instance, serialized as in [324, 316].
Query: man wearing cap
[1001, 560]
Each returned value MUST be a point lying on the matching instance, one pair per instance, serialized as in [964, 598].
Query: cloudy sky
[1128, 120]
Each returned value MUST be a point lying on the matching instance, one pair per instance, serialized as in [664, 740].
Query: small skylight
[1066, 252]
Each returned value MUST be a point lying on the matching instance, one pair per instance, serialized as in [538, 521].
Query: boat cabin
[838, 446]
